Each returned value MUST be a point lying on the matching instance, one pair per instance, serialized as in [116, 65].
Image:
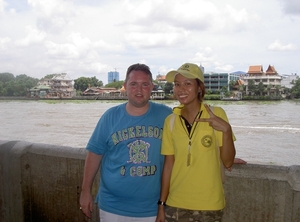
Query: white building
[288, 79]
[270, 79]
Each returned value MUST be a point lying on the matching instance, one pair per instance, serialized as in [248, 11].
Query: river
[266, 132]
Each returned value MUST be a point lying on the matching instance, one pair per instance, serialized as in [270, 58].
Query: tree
[251, 86]
[48, 76]
[117, 85]
[224, 89]
[232, 84]
[269, 88]
[260, 88]
[16, 86]
[208, 92]
[95, 82]
[295, 90]
[241, 88]
[168, 87]
[83, 83]
[6, 77]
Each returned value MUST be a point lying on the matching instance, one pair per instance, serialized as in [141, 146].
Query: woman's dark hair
[202, 92]
[139, 67]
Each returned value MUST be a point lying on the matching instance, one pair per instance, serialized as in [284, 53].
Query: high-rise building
[216, 81]
[113, 76]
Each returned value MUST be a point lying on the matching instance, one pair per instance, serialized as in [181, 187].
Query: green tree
[251, 86]
[83, 83]
[208, 92]
[295, 90]
[260, 88]
[241, 88]
[232, 84]
[168, 87]
[224, 89]
[16, 86]
[23, 84]
[48, 76]
[117, 85]
[6, 77]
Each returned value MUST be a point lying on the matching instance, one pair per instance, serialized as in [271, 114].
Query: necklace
[189, 130]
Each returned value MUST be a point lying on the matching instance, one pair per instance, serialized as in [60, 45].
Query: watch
[159, 202]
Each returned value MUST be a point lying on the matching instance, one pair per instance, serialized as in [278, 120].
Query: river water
[266, 132]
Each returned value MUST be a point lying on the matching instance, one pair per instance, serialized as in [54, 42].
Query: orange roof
[271, 70]
[240, 82]
[161, 78]
[255, 69]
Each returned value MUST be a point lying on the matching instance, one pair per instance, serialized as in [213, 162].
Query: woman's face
[186, 90]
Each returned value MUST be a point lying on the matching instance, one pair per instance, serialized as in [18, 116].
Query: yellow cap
[188, 70]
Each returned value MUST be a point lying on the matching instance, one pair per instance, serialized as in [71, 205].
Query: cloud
[153, 40]
[291, 6]
[91, 38]
[4, 42]
[62, 51]
[223, 68]
[54, 15]
[34, 36]
[102, 45]
[278, 46]
[2, 6]
[211, 61]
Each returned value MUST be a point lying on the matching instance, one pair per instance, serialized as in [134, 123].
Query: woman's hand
[160, 214]
[214, 121]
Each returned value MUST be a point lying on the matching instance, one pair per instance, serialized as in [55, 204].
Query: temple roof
[271, 70]
[258, 69]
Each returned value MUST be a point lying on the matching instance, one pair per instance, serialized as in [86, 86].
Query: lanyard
[190, 135]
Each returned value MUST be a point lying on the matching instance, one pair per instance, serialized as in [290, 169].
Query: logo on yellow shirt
[206, 141]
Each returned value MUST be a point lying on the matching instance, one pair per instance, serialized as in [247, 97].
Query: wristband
[161, 203]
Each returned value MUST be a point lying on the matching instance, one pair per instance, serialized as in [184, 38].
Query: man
[126, 143]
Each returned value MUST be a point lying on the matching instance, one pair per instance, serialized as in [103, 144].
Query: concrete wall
[41, 182]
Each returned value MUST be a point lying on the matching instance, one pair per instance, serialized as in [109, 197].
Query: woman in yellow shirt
[197, 142]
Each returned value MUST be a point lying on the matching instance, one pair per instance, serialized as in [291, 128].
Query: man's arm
[91, 167]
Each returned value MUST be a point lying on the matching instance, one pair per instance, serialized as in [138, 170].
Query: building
[216, 81]
[212, 81]
[102, 92]
[113, 76]
[270, 79]
[59, 86]
[287, 80]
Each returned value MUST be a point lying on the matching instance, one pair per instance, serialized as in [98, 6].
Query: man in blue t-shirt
[126, 143]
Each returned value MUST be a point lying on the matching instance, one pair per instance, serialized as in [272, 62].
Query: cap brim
[170, 76]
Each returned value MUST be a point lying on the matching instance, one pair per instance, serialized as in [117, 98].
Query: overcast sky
[92, 37]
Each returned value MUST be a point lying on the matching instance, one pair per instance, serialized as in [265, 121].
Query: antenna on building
[201, 67]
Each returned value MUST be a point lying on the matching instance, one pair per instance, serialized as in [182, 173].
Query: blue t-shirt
[131, 166]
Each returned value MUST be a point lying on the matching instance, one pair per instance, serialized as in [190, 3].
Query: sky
[87, 38]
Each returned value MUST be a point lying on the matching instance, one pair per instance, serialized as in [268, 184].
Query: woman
[196, 142]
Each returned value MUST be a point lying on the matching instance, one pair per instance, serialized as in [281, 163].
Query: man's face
[138, 88]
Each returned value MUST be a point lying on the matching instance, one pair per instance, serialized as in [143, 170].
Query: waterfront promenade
[42, 182]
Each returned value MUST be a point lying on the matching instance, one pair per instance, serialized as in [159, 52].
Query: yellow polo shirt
[199, 185]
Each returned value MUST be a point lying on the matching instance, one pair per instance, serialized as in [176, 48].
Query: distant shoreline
[71, 98]
[119, 98]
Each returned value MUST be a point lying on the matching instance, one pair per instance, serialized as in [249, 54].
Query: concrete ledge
[290, 174]
[41, 182]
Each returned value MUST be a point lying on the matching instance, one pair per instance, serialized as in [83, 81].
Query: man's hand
[86, 203]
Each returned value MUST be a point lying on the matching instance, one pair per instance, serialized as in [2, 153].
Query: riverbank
[207, 97]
